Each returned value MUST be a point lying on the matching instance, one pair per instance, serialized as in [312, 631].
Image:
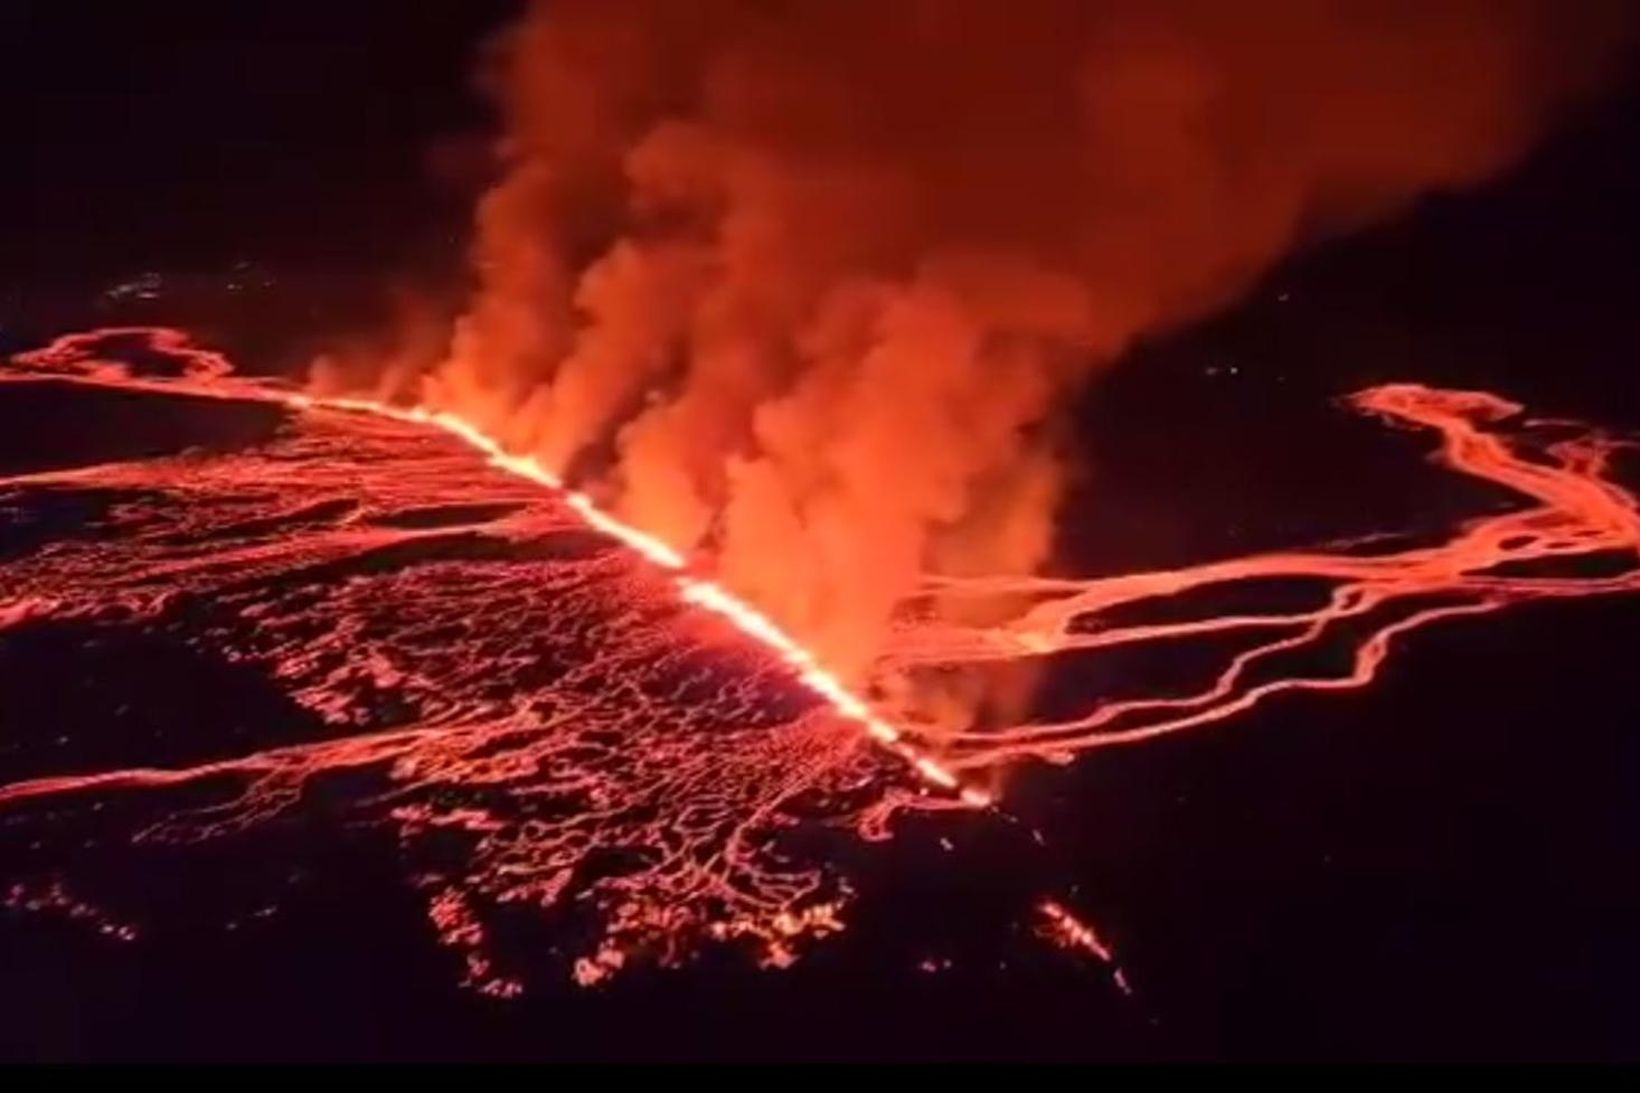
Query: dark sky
[186, 132]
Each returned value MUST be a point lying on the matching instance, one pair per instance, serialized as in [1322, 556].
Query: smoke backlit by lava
[601, 730]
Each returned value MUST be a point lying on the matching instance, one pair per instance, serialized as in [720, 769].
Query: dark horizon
[201, 134]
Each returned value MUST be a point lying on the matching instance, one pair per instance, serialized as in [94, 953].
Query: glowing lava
[207, 373]
[575, 715]
[1491, 562]
[1060, 927]
[713, 597]
[613, 741]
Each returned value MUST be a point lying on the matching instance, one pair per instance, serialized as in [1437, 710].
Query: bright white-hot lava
[707, 594]
[611, 736]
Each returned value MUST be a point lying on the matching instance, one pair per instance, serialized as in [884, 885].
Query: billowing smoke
[802, 283]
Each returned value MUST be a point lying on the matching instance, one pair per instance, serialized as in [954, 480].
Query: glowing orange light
[706, 594]
[707, 878]
[1060, 927]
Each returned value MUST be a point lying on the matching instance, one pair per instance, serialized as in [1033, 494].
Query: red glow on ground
[608, 734]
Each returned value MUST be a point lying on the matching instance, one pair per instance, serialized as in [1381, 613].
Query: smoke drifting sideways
[804, 286]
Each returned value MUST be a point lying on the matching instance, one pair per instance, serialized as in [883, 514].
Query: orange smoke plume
[801, 284]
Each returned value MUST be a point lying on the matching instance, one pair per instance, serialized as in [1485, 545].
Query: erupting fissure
[285, 539]
[703, 593]
[807, 287]
[431, 603]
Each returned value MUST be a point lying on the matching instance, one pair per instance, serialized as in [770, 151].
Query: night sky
[190, 133]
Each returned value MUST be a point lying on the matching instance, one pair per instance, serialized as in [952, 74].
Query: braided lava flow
[606, 733]
[1577, 515]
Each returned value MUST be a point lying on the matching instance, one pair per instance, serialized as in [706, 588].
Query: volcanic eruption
[807, 286]
[805, 289]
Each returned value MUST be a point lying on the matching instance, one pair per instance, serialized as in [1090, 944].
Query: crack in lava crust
[563, 705]
[603, 731]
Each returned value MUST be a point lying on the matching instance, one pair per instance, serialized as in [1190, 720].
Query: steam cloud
[801, 284]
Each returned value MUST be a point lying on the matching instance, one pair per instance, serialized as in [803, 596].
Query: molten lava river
[551, 714]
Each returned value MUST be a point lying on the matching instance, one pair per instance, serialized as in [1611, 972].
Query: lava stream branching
[608, 735]
[209, 374]
[577, 714]
[1576, 513]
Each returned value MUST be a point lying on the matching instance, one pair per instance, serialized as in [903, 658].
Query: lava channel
[600, 729]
